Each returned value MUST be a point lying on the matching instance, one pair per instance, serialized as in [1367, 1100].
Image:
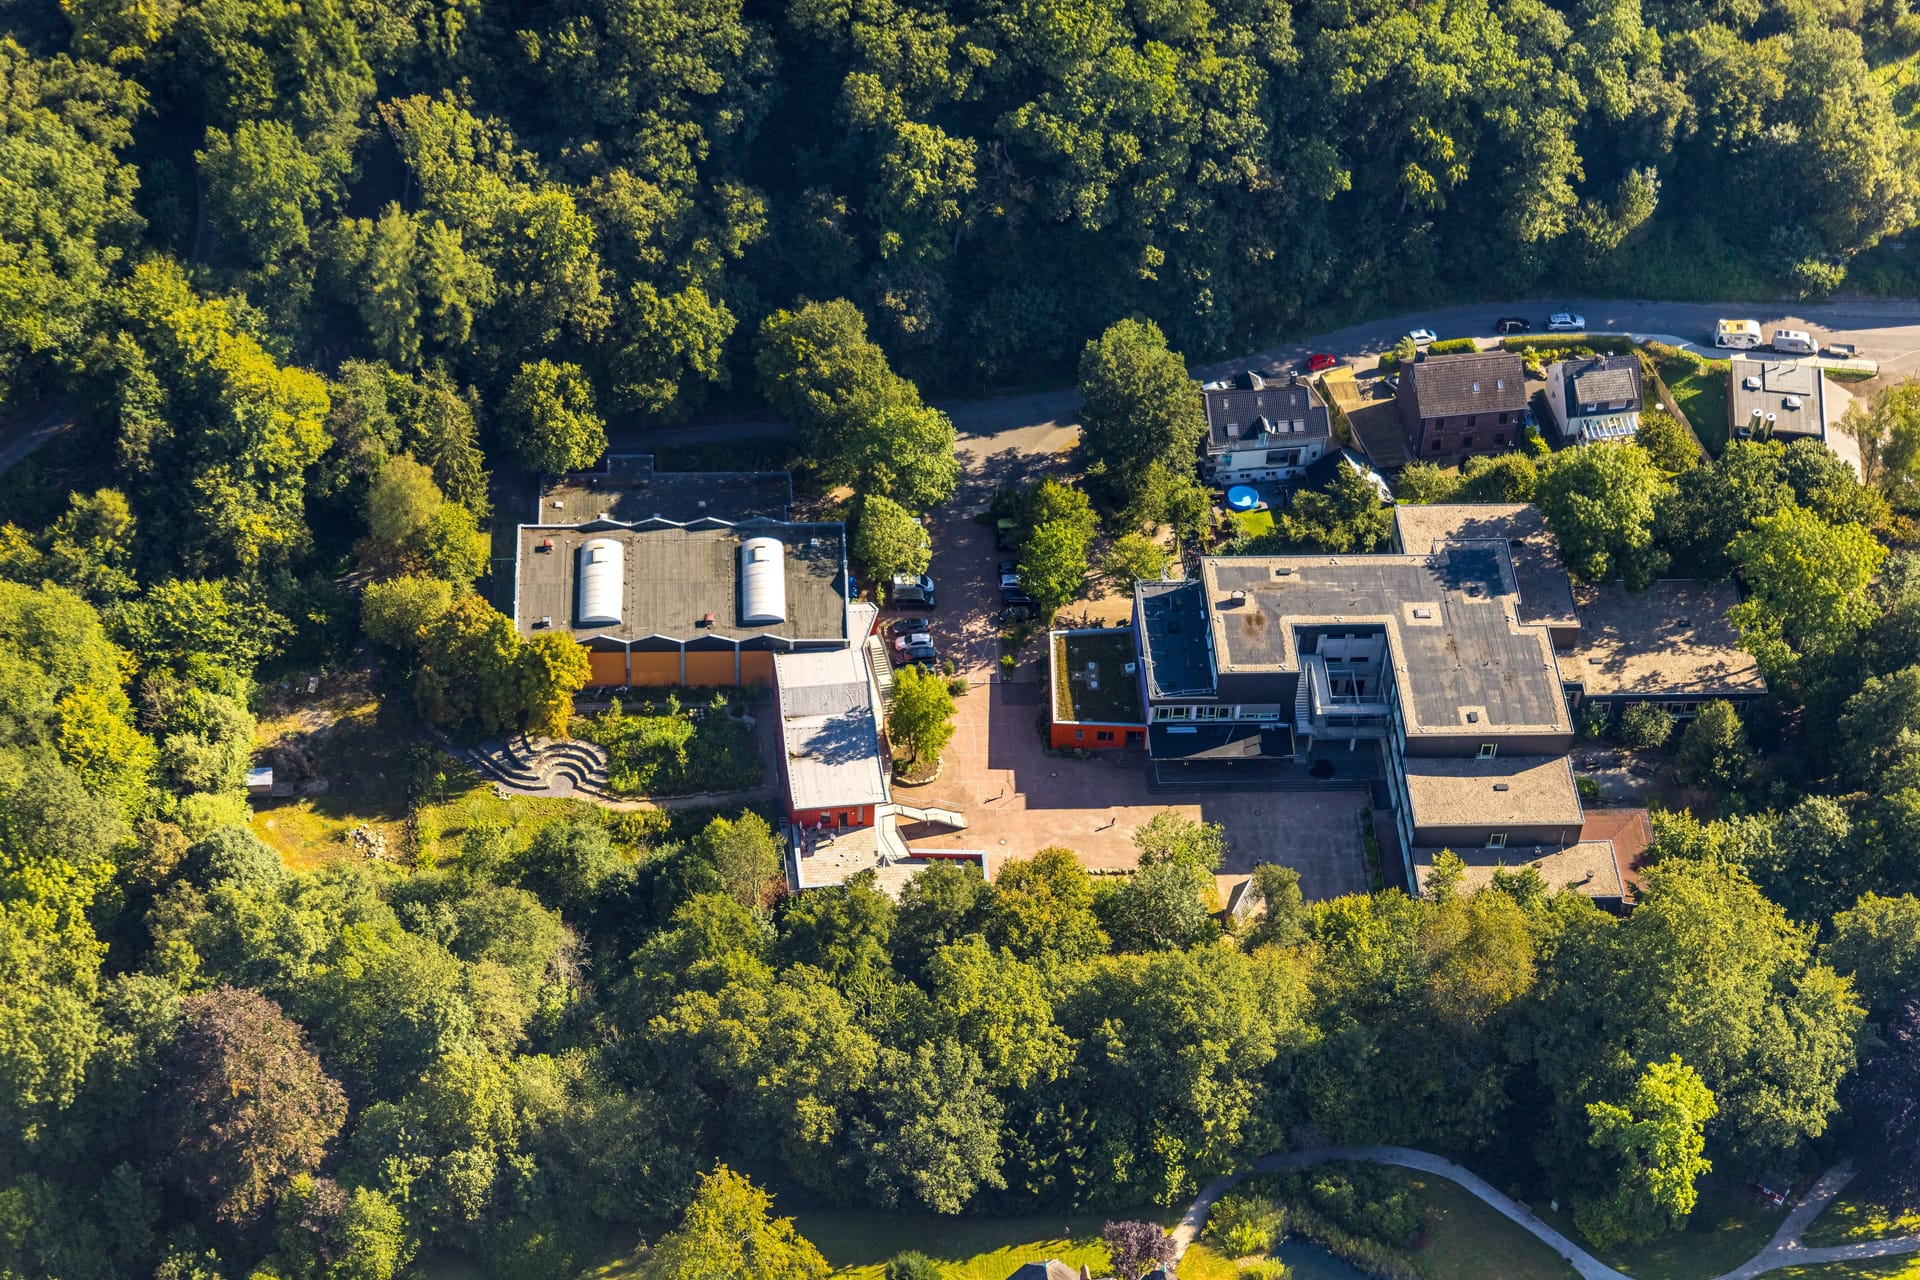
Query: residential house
[1595, 397]
[1051, 1269]
[1455, 405]
[1776, 399]
[1261, 430]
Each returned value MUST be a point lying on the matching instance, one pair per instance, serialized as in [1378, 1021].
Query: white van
[1794, 342]
[1743, 334]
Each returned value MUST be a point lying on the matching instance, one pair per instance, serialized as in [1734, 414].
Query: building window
[1499, 437]
[1466, 442]
[1503, 419]
[1488, 750]
[1498, 840]
[1473, 417]
[1434, 447]
[1103, 735]
[1079, 734]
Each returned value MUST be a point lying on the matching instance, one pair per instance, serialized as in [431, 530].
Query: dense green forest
[310, 273]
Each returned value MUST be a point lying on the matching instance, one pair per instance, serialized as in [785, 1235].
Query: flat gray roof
[628, 489]
[1672, 639]
[1516, 791]
[1463, 661]
[675, 576]
[829, 729]
[1778, 379]
[1546, 592]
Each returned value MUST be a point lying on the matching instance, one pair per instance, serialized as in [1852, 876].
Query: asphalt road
[1886, 331]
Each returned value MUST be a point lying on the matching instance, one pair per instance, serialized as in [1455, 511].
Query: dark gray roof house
[1251, 406]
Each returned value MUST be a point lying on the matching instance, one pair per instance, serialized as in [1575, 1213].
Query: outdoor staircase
[543, 766]
[1303, 703]
[930, 813]
[882, 669]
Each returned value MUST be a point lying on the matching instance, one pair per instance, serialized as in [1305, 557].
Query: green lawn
[1903, 1268]
[1727, 1228]
[1254, 523]
[1847, 1220]
[1467, 1240]
[859, 1242]
[1703, 398]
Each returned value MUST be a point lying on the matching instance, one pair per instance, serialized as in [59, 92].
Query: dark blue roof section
[1179, 658]
[1231, 741]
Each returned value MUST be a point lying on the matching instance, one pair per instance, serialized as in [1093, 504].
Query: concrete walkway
[1784, 1250]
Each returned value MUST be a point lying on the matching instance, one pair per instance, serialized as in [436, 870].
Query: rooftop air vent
[1423, 613]
[1473, 717]
[1501, 786]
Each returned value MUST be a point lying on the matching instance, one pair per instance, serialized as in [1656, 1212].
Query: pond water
[1310, 1262]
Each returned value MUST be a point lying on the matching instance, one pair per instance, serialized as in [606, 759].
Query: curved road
[1784, 1250]
[1004, 429]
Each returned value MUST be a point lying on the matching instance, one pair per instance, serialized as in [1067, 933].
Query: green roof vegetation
[1091, 683]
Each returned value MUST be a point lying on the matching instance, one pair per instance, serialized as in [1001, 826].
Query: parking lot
[1018, 799]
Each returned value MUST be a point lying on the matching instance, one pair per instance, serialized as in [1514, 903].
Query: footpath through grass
[1728, 1227]
[859, 1242]
[1466, 1239]
[1904, 1268]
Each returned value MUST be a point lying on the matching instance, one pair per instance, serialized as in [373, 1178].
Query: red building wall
[1068, 736]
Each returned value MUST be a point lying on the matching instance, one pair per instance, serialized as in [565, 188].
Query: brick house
[1454, 405]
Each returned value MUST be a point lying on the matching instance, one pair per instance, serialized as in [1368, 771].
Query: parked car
[921, 653]
[1320, 360]
[1512, 324]
[1017, 613]
[1566, 322]
[1004, 533]
[911, 589]
[1424, 337]
[1011, 592]
[1843, 350]
[907, 627]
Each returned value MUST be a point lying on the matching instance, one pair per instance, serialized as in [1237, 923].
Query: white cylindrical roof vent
[602, 583]
[763, 581]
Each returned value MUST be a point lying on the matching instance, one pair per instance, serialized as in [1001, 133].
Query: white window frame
[1489, 750]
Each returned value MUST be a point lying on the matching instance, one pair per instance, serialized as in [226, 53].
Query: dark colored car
[1320, 360]
[924, 655]
[1512, 324]
[1004, 534]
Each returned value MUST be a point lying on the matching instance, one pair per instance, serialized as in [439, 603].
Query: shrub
[1589, 790]
[911, 1265]
[1645, 725]
[1265, 1269]
[1452, 346]
[1244, 1224]
[666, 751]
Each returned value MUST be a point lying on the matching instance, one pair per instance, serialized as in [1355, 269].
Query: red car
[1320, 360]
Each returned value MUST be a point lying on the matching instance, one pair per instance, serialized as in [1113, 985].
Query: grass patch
[357, 758]
[1465, 1239]
[1253, 523]
[1906, 1267]
[1700, 389]
[1901, 75]
[859, 1242]
[1728, 1227]
[1847, 1220]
